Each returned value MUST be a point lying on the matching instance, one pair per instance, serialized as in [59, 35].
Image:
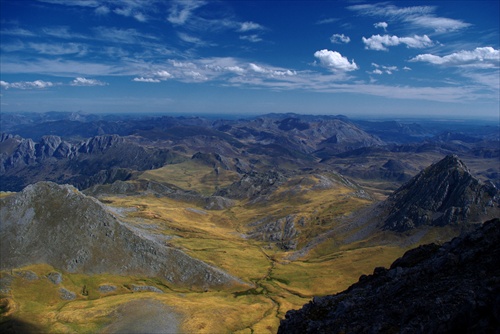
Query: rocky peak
[444, 193]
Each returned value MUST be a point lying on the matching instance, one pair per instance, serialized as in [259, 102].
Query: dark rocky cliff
[453, 288]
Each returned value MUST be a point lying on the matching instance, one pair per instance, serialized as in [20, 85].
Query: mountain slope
[454, 288]
[58, 225]
[444, 193]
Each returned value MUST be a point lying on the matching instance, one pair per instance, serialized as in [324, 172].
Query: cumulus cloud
[381, 69]
[37, 84]
[163, 75]
[102, 10]
[80, 81]
[335, 61]
[380, 43]
[382, 25]
[483, 57]
[339, 38]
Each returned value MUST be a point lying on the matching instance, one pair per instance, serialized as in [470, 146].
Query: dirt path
[144, 316]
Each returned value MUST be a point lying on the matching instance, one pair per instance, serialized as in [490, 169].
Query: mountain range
[252, 217]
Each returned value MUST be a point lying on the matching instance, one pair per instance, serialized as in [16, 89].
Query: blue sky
[354, 58]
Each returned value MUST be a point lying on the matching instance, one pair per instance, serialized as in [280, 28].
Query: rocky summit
[453, 288]
[60, 226]
[442, 194]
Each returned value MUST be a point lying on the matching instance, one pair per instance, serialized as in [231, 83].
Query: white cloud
[18, 32]
[339, 38]
[163, 75]
[251, 38]
[270, 71]
[335, 61]
[102, 10]
[37, 84]
[80, 81]
[421, 16]
[142, 79]
[181, 10]
[327, 21]
[484, 57]
[439, 24]
[380, 43]
[247, 26]
[58, 49]
[406, 68]
[381, 69]
[382, 25]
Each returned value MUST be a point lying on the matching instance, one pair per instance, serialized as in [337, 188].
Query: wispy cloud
[58, 48]
[380, 43]
[484, 57]
[421, 16]
[247, 26]
[182, 10]
[20, 32]
[327, 21]
[251, 38]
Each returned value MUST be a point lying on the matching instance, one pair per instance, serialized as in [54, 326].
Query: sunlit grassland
[275, 284]
[192, 175]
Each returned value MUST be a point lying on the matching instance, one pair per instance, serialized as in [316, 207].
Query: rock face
[58, 225]
[444, 193]
[97, 160]
[454, 288]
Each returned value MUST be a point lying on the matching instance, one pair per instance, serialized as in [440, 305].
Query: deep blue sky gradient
[368, 58]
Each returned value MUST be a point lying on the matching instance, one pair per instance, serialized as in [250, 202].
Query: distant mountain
[97, 160]
[58, 225]
[444, 193]
[453, 288]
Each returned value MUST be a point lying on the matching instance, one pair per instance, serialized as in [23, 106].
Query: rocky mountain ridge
[58, 225]
[453, 288]
[444, 193]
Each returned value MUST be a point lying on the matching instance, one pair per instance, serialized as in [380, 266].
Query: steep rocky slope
[442, 194]
[453, 288]
[97, 160]
[58, 225]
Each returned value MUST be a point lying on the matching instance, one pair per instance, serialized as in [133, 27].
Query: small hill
[442, 194]
[58, 225]
[453, 288]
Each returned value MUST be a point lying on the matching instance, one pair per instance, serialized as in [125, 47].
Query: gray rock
[106, 288]
[26, 274]
[65, 294]
[147, 288]
[55, 277]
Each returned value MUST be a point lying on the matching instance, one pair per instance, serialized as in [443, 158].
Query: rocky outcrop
[453, 288]
[58, 225]
[97, 160]
[442, 194]
[144, 187]
[281, 232]
[253, 185]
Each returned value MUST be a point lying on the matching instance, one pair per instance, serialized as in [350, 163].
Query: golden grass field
[277, 284]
